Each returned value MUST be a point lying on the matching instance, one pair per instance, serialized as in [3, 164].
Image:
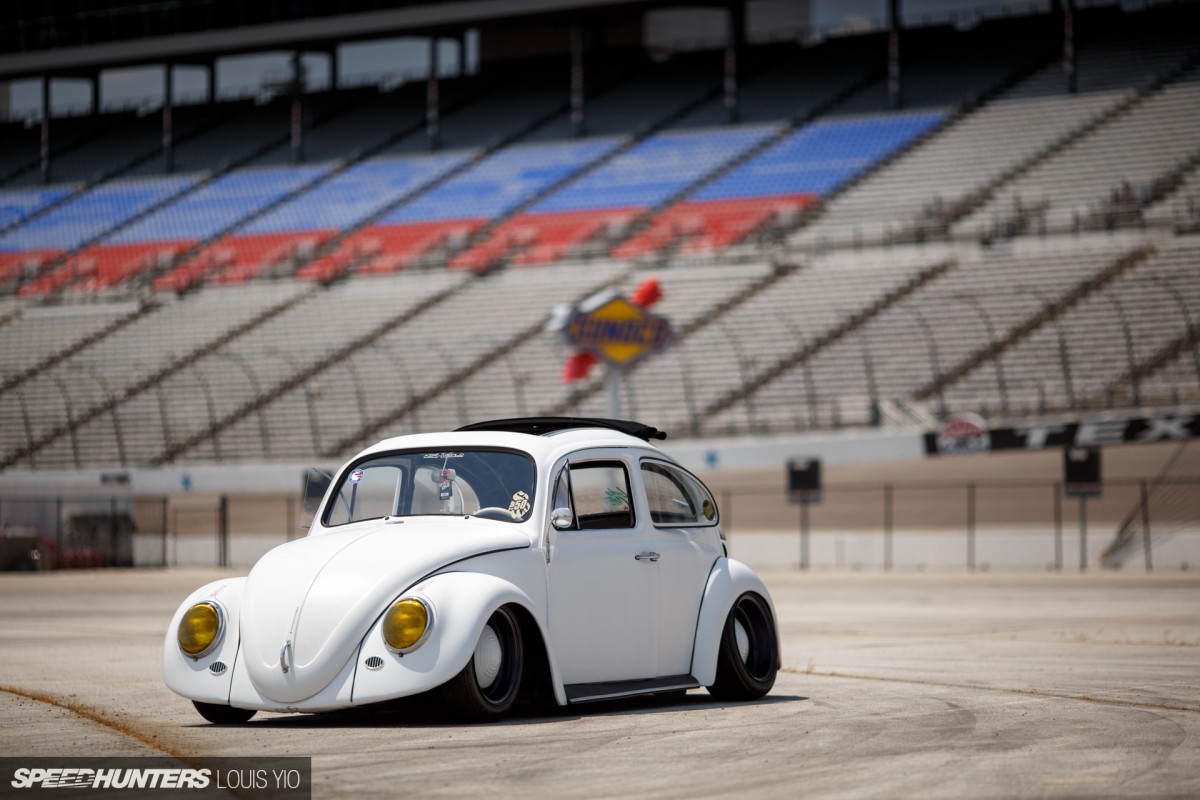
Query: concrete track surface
[894, 685]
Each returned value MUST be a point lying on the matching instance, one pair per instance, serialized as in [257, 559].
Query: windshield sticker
[356, 476]
[443, 455]
[519, 506]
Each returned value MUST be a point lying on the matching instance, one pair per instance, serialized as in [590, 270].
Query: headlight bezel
[429, 623]
[218, 637]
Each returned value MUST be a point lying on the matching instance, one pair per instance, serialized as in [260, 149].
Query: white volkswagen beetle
[513, 560]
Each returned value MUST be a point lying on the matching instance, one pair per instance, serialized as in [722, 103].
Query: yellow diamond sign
[617, 331]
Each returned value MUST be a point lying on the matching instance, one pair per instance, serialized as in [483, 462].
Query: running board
[589, 692]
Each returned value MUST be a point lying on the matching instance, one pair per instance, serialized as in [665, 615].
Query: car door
[682, 518]
[602, 589]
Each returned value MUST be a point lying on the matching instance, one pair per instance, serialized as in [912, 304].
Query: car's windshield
[497, 484]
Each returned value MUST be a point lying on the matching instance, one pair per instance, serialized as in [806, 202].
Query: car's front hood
[323, 592]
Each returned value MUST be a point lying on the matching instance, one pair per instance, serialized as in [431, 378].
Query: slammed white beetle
[528, 559]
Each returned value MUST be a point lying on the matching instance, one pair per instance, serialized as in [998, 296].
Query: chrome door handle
[647, 557]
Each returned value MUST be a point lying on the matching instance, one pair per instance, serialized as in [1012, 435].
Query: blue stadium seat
[501, 182]
[90, 214]
[18, 204]
[655, 169]
[354, 195]
[214, 207]
[820, 157]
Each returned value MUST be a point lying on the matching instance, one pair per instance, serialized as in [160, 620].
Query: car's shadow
[422, 712]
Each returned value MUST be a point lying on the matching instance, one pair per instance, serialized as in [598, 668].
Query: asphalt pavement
[930, 685]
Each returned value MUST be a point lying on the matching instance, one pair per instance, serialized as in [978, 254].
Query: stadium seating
[826, 261]
[85, 217]
[792, 174]
[1085, 184]
[930, 332]
[109, 367]
[17, 205]
[1153, 303]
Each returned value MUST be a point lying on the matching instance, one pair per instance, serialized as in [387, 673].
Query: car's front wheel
[487, 687]
[223, 715]
[748, 657]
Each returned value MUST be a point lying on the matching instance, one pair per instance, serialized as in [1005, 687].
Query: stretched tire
[748, 657]
[485, 689]
[223, 715]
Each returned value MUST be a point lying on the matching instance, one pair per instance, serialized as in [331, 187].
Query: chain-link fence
[972, 525]
[1153, 523]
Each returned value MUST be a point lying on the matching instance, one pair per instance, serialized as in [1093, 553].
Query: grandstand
[296, 276]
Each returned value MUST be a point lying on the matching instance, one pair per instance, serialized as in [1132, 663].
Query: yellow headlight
[200, 629]
[405, 624]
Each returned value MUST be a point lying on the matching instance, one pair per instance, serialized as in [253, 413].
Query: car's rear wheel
[487, 687]
[223, 715]
[748, 657]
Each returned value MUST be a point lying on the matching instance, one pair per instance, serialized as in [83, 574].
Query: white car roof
[545, 448]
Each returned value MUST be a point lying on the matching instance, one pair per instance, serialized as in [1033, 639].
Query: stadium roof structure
[112, 34]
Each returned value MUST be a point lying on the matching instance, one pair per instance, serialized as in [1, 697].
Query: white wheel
[488, 657]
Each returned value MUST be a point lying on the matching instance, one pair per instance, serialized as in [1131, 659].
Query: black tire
[469, 701]
[223, 715]
[747, 672]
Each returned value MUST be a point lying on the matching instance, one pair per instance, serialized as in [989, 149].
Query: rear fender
[727, 581]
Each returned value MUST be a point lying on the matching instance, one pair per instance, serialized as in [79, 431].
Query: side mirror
[562, 519]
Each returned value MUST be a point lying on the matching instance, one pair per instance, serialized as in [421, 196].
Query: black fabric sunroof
[536, 426]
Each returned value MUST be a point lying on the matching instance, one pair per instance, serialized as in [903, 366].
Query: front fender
[728, 580]
[192, 677]
[462, 602]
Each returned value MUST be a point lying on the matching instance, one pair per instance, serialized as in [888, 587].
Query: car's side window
[562, 489]
[600, 494]
[675, 497]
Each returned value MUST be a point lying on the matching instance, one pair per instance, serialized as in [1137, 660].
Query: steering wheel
[496, 512]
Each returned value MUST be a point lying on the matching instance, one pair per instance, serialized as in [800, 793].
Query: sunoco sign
[617, 331]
